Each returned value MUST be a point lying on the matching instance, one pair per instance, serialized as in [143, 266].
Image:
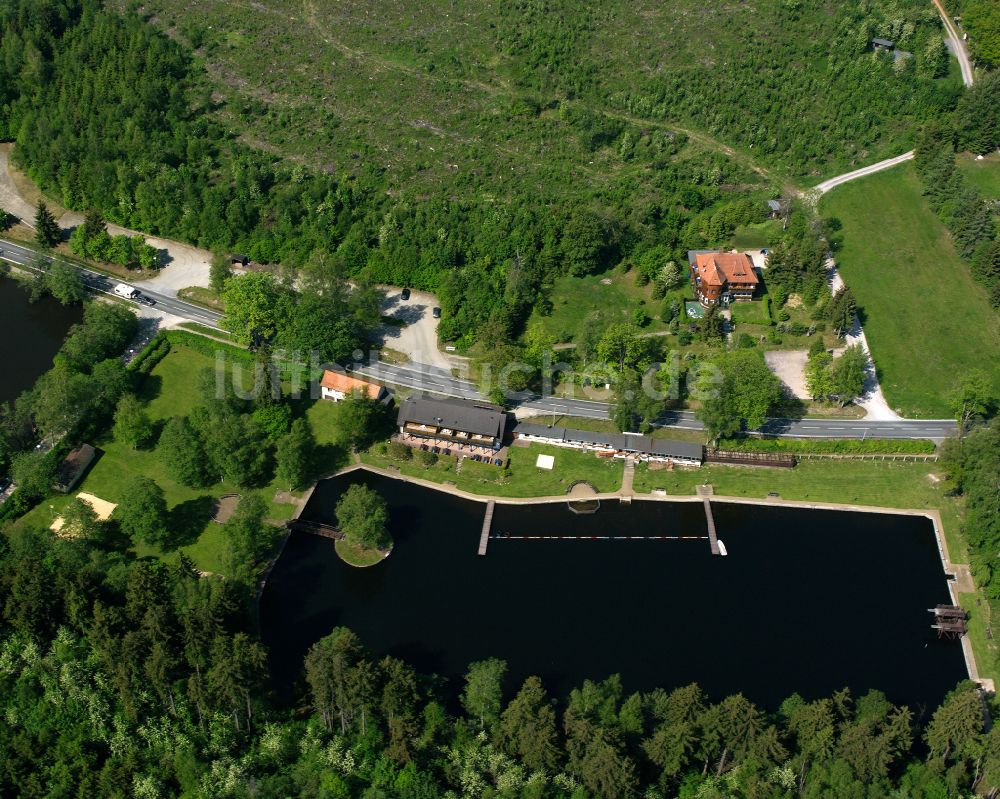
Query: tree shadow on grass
[111, 538]
[150, 388]
[187, 520]
[155, 433]
[329, 458]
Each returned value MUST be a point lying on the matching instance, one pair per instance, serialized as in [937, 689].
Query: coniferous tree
[528, 727]
[47, 232]
[841, 311]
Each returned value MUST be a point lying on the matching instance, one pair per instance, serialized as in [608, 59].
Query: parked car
[405, 295]
[126, 291]
[436, 312]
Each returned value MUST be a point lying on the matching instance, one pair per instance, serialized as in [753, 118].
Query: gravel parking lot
[417, 338]
[789, 366]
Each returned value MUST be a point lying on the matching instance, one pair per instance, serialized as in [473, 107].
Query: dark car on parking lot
[436, 312]
[405, 295]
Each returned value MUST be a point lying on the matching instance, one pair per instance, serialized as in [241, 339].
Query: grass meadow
[171, 389]
[926, 319]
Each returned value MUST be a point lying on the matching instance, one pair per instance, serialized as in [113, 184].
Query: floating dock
[484, 538]
[713, 539]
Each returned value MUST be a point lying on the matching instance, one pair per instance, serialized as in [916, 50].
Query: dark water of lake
[30, 335]
[806, 601]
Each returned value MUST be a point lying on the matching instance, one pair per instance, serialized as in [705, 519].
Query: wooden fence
[779, 459]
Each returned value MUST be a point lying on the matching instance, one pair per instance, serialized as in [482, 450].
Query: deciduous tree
[362, 516]
[250, 536]
[33, 473]
[847, 374]
[736, 390]
[65, 284]
[294, 455]
[973, 398]
[257, 307]
[132, 424]
[482, 696]
[142, 511]
[183, 453]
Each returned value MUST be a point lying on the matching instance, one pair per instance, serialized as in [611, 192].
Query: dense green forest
[128, 678]
[556, 165]
[972, 464]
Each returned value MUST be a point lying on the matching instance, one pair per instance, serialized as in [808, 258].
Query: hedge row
[832, 446]
[154, 352]
[208, 346]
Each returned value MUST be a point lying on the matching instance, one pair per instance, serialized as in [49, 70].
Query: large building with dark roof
[452, 420]
[618, 444]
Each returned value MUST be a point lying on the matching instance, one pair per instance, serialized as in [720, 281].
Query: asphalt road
[436, 381]
[23, 256]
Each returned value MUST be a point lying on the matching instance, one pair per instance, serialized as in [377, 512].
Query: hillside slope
[436, 90]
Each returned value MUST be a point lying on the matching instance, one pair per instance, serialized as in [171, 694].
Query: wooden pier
[484, 538]
[949, 621]
[713, 539]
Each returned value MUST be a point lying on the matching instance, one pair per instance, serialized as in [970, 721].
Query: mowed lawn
[984, 175]
[171, 389]
[926, 319]
[524, 479]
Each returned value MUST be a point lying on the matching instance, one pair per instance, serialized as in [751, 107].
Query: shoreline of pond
[953, 571]
[429, 636]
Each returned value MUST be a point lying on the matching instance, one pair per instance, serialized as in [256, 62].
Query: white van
[126, 291]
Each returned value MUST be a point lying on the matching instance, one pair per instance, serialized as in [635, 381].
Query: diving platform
[949, 621]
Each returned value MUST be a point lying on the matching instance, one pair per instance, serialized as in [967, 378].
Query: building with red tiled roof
[722, 277]
[336, 385]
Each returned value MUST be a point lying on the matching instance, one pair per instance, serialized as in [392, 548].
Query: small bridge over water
[315, 528]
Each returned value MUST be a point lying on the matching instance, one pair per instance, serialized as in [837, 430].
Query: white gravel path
[873, 400]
